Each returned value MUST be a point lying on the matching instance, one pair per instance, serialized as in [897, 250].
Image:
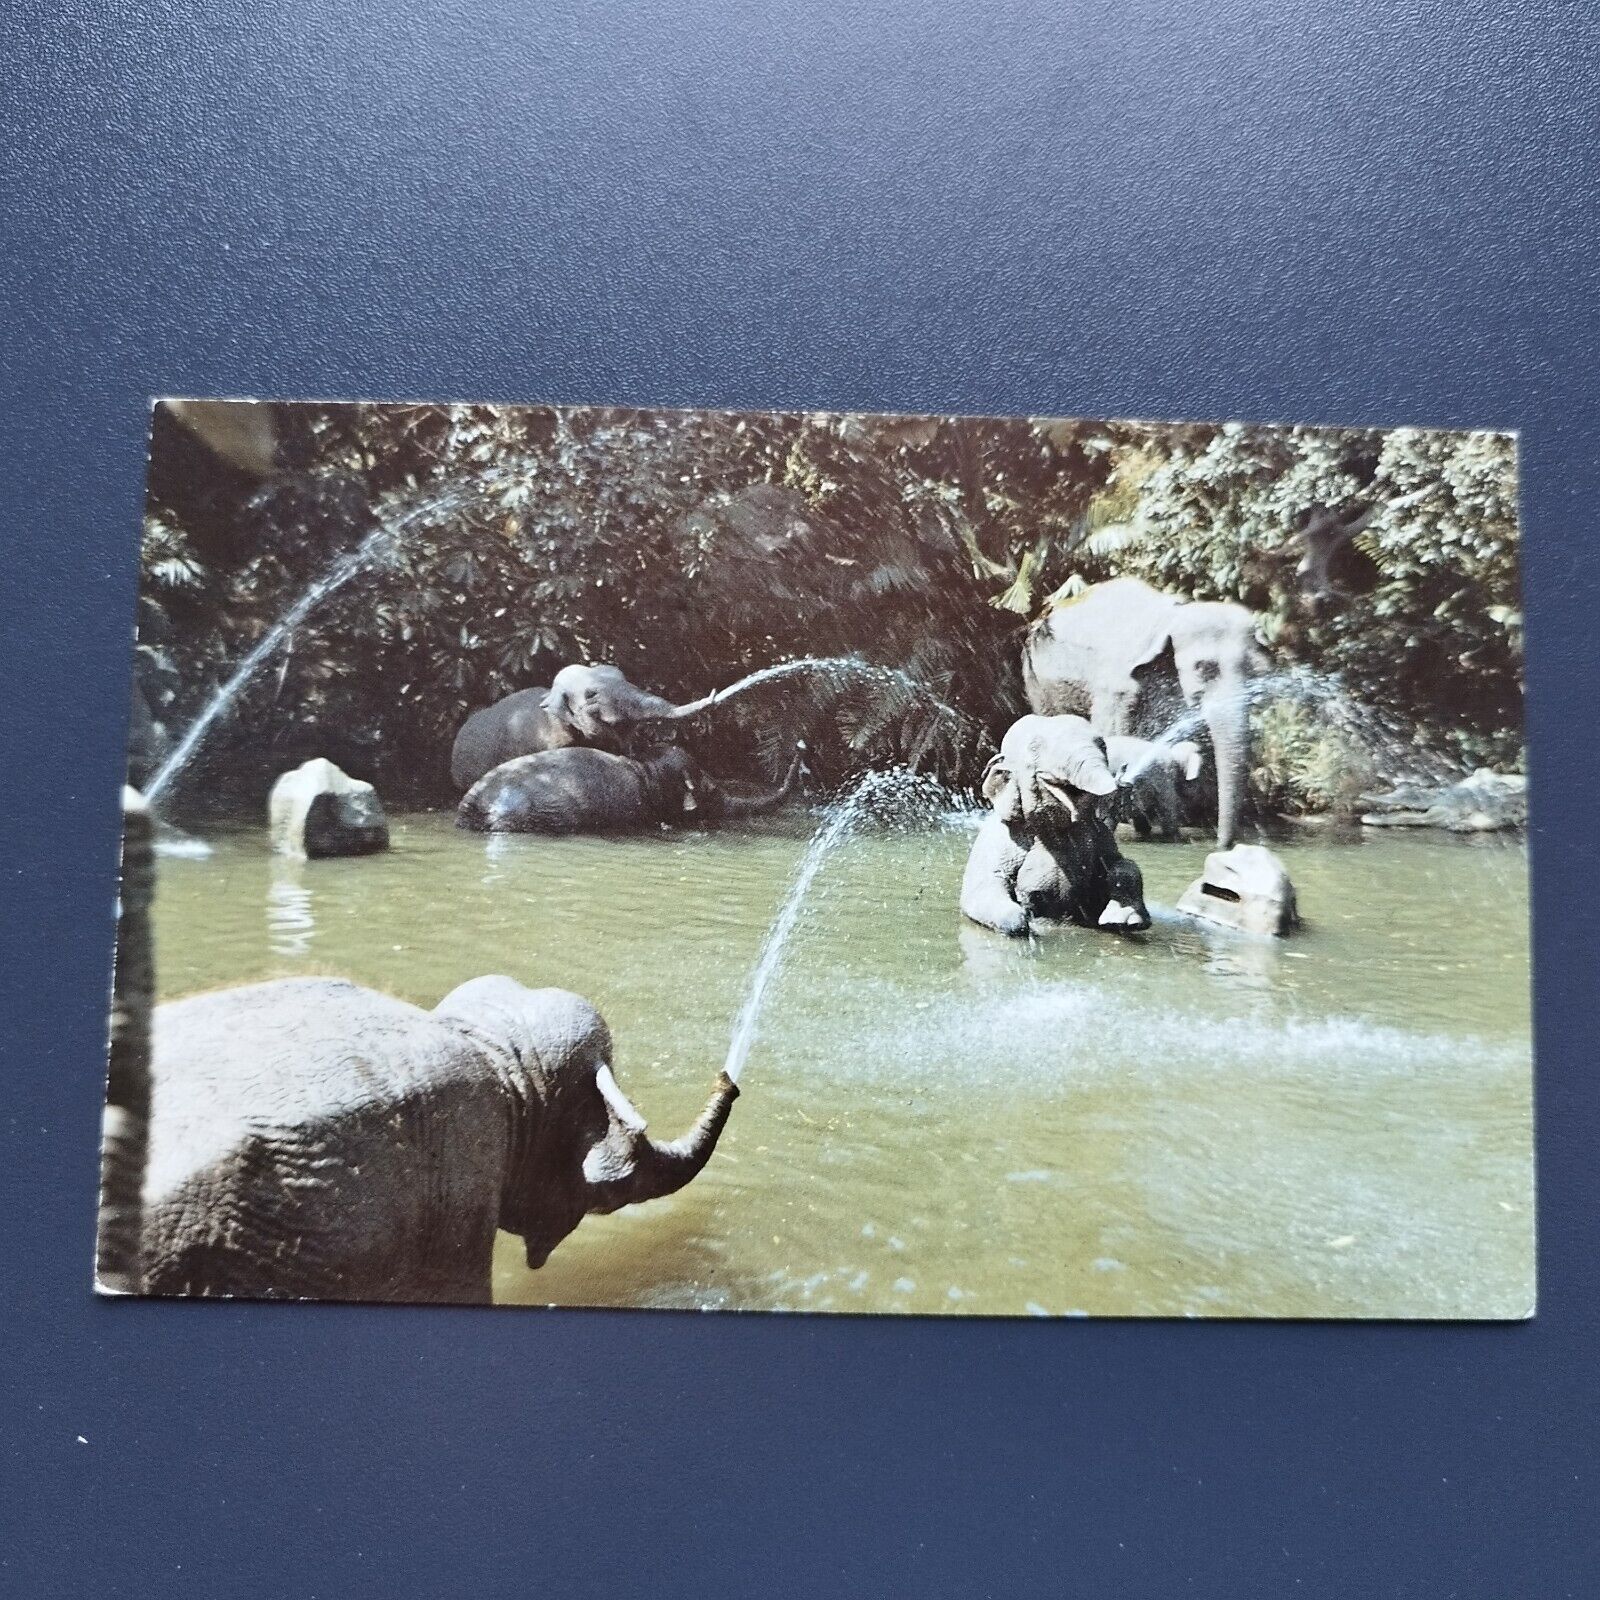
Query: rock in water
[319, 810]
[1246, 888]
[1487, 802]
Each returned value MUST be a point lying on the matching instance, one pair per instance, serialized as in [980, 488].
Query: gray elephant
[579, 790]
[591, 706]
[1137, 661]
[1048, 847]
[311, 1139]
[1151, 775]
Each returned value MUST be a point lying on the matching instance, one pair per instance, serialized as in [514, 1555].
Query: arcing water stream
[838, 822]
[338, 574]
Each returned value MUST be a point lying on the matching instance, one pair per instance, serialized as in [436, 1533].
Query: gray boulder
[1487, 802]
[1246, 888]
[319, 810]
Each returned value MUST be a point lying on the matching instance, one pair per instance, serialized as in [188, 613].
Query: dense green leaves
[691, 548]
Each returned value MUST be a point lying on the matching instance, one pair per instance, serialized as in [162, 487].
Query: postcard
[823, 862]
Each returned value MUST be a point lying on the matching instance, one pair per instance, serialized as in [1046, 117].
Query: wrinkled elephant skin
[313, 1139]
[579, 790]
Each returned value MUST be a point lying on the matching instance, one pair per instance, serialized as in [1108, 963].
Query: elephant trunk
[664, 1168]
[756, 804]
[647, 707]
[125, 1128]
[690, 708]
[1228, 718]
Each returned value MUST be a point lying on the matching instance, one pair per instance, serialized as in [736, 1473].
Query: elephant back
[290, 1123]
[558, 791]
[517, 725]
[1098, 636]
[283, 1054]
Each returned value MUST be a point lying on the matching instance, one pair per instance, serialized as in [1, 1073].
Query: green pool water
[936, 1119]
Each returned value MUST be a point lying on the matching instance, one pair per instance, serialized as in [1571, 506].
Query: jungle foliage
[690, 548]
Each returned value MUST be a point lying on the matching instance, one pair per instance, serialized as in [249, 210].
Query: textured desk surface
[1320, 212]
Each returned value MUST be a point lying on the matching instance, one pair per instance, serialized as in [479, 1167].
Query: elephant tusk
[1059, 794]
[621, 1106]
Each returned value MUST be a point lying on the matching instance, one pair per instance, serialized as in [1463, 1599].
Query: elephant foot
[1121, 918]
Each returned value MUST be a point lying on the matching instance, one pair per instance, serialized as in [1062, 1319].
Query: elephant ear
[1088, 769]
[1148, 646]
[1000, 790]
[1123, 625]
[554, 704]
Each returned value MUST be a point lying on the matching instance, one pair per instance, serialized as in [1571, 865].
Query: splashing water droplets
[839, 819]
[336, 575]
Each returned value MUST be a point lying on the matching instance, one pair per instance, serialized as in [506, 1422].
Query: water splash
[1392, 749]
[336, 575]
[840, 817]
[849, 667]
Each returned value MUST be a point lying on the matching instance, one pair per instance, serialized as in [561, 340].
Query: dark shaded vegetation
[691, 548]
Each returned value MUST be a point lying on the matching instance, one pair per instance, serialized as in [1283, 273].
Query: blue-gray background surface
[1332, 212]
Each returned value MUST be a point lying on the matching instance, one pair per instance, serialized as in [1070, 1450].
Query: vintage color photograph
[823, 862]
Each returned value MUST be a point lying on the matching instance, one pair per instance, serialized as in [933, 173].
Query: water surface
[939, 1119]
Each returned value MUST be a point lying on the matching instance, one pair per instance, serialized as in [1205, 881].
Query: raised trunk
[691, 708]
[648, 707]
[754, 804]
[662, 1169]
[125, 1127]
[1228, 718]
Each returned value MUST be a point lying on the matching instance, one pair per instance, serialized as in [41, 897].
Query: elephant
[312, 1139]
[1150, 774]
[1137, 661]
[317, 810]
[590, 706]
[1048, 847]
[579, 790]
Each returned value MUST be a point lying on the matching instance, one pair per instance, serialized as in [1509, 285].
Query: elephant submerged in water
[309, 1138]
[578, 790]
[1048, 847]
[585, 706]
[1135, 661]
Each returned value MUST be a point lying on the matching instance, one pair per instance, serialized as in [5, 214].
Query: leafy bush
[690, 548]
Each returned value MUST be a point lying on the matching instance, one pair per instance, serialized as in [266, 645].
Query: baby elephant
[310, 1139]
[1150, 774]
[1048, 847]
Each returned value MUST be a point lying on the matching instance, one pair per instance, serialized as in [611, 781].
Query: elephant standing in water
[1048, 847]
[1134, 660]
[312, 1139]
[588, 706]
[580, 790]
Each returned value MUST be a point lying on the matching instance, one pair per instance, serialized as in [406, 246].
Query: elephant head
[1050, 774]
[685, 792]
[603, 707]
[1214, 650]
[1142, 662]
[583, 1147]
